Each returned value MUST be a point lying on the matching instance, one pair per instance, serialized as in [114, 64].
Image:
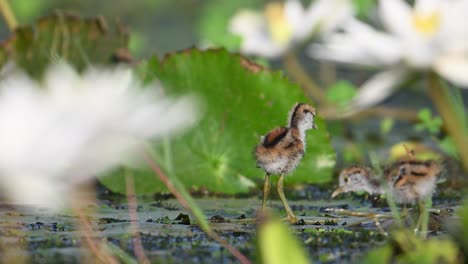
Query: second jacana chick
[407, 180]
[282, 149]
[358, 179]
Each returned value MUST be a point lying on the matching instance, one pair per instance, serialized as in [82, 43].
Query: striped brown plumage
[281, 150]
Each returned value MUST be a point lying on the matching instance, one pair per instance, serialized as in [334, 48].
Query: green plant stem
[446, 110]
[8, 15]
[393, 208]
[124, 257]
[425, 217]
[388, 194]
[167, 149]
[310, 87]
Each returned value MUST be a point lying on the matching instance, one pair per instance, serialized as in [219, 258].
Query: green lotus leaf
[242, 101]
[63, 36]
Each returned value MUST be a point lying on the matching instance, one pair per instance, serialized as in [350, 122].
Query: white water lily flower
[281, 26]
[68, 129]
[432, 35]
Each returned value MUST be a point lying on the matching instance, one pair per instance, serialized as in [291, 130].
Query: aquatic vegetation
[405, 247]
[65, 36]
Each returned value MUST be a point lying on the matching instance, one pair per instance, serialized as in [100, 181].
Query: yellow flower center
[426, 24]
[278, 25]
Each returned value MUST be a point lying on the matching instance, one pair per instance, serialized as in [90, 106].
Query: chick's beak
[314, 126]
[337, 191]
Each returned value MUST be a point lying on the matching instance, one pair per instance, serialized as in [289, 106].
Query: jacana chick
[282, 149]
[412, 180]
[409, 181]
[358, 179]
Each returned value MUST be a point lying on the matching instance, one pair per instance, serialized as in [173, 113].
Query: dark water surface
[44, 237]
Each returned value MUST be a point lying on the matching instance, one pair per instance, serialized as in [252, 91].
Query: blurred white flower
[68, 129]
[432, 35]
[281, 26]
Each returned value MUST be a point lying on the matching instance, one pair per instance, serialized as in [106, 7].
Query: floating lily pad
[64, 36]
[242, 101]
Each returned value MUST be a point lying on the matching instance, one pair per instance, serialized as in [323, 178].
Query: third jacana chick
[282, 149]
[412, 180]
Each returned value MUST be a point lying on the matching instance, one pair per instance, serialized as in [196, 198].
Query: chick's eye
[402, 170]
[346, 179]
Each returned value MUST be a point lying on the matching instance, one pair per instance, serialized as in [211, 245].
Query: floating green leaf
[243, 101]
[64, 36]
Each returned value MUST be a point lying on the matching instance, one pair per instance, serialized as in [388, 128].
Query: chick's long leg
[266, 191]
[291, 216]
